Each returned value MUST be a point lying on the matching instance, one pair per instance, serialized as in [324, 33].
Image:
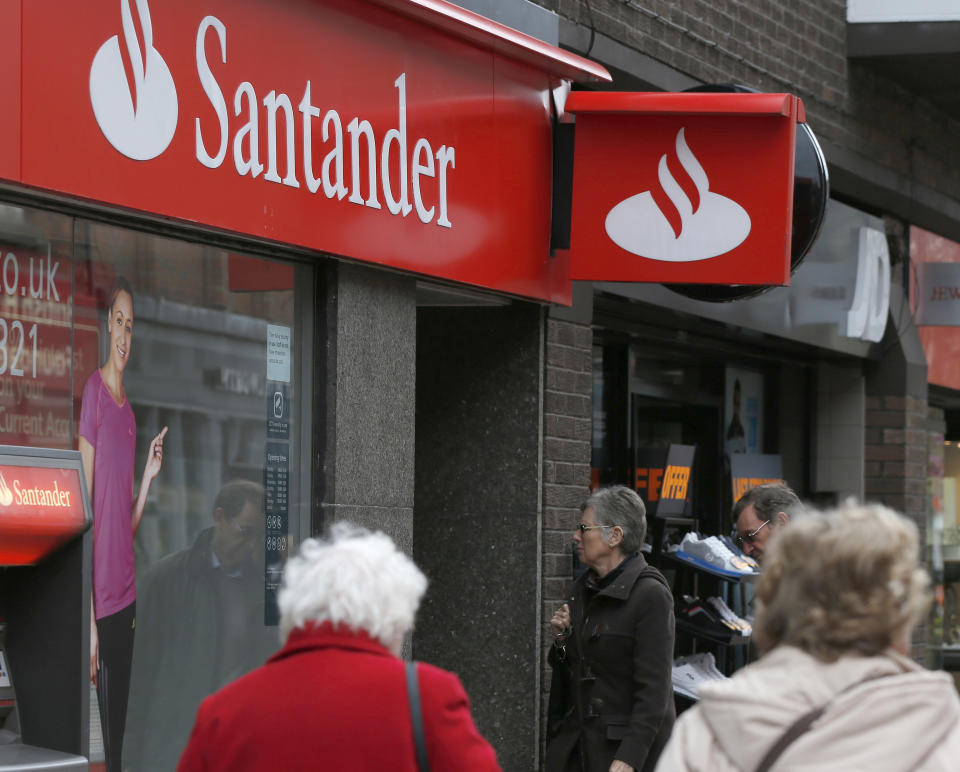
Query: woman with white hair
[839, 597]
[335, 696]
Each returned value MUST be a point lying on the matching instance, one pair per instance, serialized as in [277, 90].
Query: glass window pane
[35, 328]
[212, 355]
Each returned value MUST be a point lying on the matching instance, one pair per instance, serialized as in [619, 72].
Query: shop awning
[670, 103]
[503, 40]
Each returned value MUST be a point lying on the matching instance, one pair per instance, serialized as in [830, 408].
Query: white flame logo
[6, 497]
[717, 225]
[139, 124]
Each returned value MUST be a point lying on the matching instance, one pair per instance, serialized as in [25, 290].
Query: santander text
[333, 179]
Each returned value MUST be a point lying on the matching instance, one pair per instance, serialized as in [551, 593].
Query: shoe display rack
[707, 576]
[699, 590]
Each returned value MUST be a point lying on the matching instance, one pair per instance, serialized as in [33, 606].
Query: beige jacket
[907, 720]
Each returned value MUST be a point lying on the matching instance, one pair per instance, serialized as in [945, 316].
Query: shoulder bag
[416, 715]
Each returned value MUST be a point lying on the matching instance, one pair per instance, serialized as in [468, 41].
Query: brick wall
[895, 468]
[566, 460]
[798, 47]
[936, 432]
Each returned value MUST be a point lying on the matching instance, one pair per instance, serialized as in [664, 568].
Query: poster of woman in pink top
[108, 444]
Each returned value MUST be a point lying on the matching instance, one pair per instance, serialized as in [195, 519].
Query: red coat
[334, 701]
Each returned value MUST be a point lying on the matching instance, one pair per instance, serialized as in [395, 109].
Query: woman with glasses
[836, 605]
[611, 698]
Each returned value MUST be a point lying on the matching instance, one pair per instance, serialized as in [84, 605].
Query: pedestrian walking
[839, 597]
[611, 698]
[337, 696]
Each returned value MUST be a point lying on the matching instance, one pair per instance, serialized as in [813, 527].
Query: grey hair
[619, 505]
[768, 499]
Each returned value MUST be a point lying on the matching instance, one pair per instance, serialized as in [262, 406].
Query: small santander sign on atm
[690, 187]
[40, 509]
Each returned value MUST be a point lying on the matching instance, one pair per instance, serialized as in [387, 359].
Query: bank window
[35, 328]
[206, 346]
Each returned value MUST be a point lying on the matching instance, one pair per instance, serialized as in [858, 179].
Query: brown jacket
[611, 687]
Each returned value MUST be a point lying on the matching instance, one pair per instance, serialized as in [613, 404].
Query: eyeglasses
[584, 528]
[748, 538]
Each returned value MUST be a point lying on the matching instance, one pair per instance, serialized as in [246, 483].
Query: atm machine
[45, 558]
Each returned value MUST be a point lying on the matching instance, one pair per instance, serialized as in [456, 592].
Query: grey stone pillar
[368, 403]
[477, 523]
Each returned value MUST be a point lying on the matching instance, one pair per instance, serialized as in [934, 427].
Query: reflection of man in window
[200, 625]
[736, 437]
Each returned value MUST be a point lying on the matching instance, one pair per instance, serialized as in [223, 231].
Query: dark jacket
[197, 629]
[611, 695]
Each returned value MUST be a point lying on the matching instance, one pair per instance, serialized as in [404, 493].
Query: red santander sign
[691, 188]
[40, 509]
[336, 125]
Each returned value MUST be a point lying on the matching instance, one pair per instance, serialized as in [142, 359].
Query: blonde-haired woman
[840, 595]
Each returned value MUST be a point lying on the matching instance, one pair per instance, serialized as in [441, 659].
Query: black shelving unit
[702, 581]
[732, 640]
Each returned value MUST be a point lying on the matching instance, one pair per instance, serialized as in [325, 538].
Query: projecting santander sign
[692, 188]
[358, 129]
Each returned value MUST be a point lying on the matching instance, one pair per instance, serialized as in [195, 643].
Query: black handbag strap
[416, 715]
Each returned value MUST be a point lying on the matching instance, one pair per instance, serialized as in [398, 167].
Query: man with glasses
[760, 513]
[611, 697]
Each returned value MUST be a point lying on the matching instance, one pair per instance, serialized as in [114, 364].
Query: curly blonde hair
[844, 582]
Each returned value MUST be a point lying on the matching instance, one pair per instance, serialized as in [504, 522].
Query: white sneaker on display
[732, 561]
[692, 544]
[720, 606]
[711, 669]
[694, 670]
[704, 663]
[714, 552]
[732, 546]
[687, 680]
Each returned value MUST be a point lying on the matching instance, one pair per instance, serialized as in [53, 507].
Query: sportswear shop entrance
[328, 225]
[781, 373]
[772, 387]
